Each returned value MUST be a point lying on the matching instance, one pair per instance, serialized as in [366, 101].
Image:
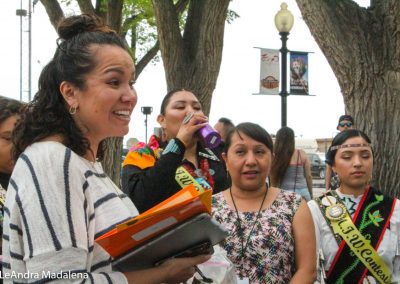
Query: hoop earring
[72, 110]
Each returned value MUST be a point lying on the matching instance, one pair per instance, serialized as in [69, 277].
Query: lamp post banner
[269, 72]
[299, 73]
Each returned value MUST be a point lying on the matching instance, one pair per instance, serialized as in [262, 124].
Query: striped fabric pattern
[57, 204]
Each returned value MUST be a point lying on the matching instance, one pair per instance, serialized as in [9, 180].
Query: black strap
[295, 177]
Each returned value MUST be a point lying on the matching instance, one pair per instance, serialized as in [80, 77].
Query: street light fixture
[284, 22]
[146, 111]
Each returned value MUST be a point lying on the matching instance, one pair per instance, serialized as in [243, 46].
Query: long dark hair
[339, 139]
[284, 149]
[254, 131]
[47, 114]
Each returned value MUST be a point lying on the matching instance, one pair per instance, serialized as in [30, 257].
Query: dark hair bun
[71, 26]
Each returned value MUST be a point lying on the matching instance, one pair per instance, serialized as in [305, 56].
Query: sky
[309, 116]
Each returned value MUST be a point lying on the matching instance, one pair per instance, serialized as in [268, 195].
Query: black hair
[227, 125]
[47, 114]
[226, 122]
[168, 96]
[9, 107]
[254, 131]
[284, 149]
[346, 117]
[341, 138]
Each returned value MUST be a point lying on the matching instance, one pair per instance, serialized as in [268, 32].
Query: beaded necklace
[240, 230]
[204, 171]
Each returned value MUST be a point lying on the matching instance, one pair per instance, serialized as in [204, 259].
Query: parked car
[317, 162]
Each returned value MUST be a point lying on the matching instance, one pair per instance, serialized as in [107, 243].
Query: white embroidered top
[389, 249]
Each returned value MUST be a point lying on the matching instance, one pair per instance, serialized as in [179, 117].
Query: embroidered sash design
[359, 238]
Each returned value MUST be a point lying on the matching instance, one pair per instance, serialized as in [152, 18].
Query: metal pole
[284, 93]
[145, 124]
[20, 56]
[30, 51]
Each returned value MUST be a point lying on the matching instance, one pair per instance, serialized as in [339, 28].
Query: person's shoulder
[302, 153]
[141, 155]
[218, 196]
[313, 203]
[47, 157]
[287, 194]
[45, 150]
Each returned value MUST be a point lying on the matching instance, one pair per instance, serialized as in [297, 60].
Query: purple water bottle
[210, 136]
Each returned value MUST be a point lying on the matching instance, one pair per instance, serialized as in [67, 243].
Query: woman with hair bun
[59, 199]
[357, 226]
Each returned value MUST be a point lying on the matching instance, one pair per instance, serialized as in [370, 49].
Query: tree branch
[169, 33]
[147, 58]
[54, 11]
[86, 6]
[114, 14]
[128, 21]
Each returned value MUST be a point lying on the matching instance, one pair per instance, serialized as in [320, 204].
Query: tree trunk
[362, 47]
[192, 61]
[112, 159]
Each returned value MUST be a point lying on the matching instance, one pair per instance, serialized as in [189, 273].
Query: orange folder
[186, 203]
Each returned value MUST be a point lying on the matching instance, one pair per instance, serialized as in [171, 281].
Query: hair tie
[59, 42]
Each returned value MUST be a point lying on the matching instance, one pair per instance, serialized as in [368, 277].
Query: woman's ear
[161, 121]
[224, 157]
[67, 90]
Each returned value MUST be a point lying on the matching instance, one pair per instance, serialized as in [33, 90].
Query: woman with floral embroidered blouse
[149, 170]
[357, 226]
[271, 237]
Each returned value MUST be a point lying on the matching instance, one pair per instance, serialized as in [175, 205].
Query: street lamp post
[20, 13]
[284, 23]
[146, 111]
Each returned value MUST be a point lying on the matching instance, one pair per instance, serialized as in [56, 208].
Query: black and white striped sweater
[57, 204]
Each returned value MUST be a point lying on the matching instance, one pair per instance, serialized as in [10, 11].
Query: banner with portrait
[299, 73]
[269, 71]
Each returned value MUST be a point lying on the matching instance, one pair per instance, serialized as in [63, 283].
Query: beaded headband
[349, 146]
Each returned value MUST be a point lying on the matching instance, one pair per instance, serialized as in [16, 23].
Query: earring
[72, 110]
[335, 181]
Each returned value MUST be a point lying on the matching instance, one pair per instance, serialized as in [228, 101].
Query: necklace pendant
[335, 212]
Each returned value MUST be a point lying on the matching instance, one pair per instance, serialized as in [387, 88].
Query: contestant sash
[360, 238]
[184, 178]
